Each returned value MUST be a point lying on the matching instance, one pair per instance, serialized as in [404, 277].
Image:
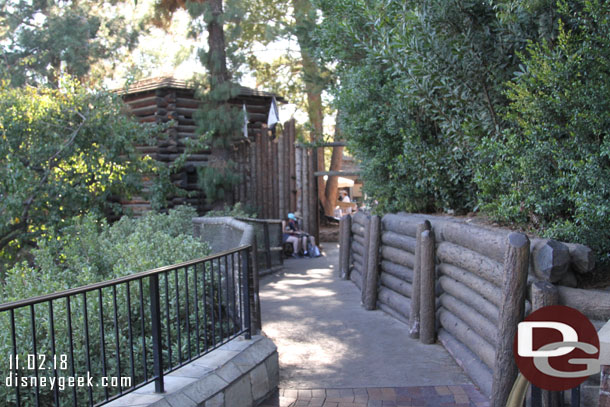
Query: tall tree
[41, 40]
[217, 119]
[280, 21]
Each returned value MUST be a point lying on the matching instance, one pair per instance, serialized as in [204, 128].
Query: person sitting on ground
[308, 241]
[289, 235]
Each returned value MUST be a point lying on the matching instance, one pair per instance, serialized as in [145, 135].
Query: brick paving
[418, 396]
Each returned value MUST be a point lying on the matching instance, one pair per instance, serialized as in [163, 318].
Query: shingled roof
[171, 82]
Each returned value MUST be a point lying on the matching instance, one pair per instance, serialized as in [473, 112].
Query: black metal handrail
[106, 330]
[265, 249]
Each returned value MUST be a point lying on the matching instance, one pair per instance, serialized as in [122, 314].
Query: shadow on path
[326, 340]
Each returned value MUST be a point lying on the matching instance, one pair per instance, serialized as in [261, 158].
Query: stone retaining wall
[240, 373]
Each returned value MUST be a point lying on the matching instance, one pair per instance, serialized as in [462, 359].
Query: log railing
[466, 285]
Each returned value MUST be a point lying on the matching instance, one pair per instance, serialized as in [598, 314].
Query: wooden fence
[467, 286]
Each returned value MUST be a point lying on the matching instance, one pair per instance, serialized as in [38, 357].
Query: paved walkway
[335, 353]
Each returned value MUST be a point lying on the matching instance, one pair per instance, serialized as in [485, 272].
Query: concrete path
[326, 340]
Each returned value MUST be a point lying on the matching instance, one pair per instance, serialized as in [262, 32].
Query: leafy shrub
[237, 211]
[90, 250]
[64, 152]
[552, 169]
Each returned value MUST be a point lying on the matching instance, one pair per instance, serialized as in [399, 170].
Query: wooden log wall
[475, 296]
[360, 248]
[161, 106]
[265, 166]
[306, 196]
[397, 262]
[270, 164]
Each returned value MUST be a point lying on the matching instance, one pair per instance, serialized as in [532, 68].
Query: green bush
[551, 170]
[237, 211]
[89, 251]
[63, 153]
[499, 107]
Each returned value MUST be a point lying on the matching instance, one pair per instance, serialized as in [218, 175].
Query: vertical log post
[427, 333]
[282, 174]
[298, 158]
[313, 197]
[365, 256]
[372, 273]
[544, 294]
[269, 176]
[293, 168]
[345, 245]
[259, 174]
[252, 174]
[305, 189]
[512, 310]
[416, 292]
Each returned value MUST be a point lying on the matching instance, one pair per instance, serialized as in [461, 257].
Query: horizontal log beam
[397, 256]
[595, 304]
[398, 241]
[401, 224]
[471, 317]
[480, 374]
[358, 260]
[460, 330]
[359, 238]
[397, 302]
[488, 290]
[390, 311]
[356, 277]
[360, 218]
[358, 229]
[396, 284]
[489, 243]
[358, 248]
[471, 298]
[470, 260]
[397, 270]
[582, 258]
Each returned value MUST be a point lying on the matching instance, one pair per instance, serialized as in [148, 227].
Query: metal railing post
[246, 289]
[155, 313]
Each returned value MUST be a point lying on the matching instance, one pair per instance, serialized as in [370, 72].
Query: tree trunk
[217, 60]
[305, 22]
[331, 190]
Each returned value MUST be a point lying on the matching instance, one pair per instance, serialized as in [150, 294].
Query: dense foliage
[552, 168]
[461, 106]
[64, 152]
[89, 251]
[42, 40]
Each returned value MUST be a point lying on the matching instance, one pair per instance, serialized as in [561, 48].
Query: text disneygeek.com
[27, 371]
[63, 382]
